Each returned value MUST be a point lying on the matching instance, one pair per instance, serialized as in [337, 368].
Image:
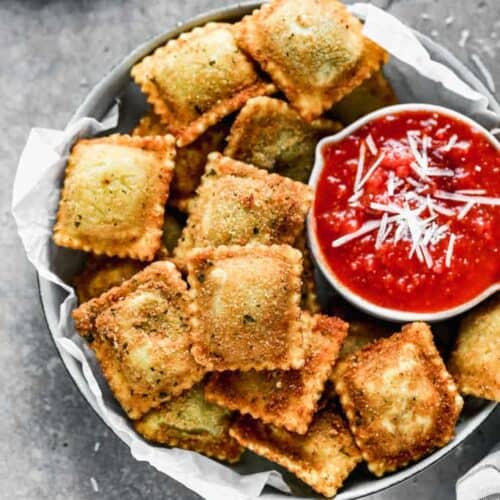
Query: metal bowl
[117, 84]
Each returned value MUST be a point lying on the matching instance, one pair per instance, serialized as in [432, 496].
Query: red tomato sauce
[437, 180]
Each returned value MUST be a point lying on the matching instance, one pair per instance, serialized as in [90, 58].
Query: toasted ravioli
[374, 93]
[190, 160]
[189, 421]
[322, 458]
[269, 134]
[238, 204]
[194, 81]
[285, 398]
[114, 193]
[141, 336]
[102, 273]
[400, 401]
[245, 307]
[314, 51]
[475, 361]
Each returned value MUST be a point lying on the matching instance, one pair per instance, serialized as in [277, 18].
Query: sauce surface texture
[406, 211]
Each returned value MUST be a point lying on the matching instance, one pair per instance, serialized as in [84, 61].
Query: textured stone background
[52, 53]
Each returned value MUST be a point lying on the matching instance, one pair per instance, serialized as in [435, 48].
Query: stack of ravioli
[198, 296]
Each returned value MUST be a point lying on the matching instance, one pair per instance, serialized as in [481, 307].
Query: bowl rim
[48, 291]
[387, 313]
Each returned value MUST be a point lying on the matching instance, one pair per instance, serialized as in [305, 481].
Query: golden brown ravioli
[475, 362]
[190, 160]
[141, 336]
[197, 79]
[237, 204]
[269, 134]
[189, 421]
[245, 307]
[374, 93]
[114, 193]
[314, 51]
[323, 458]
[102, 273]
[400, 401]
[285, 398]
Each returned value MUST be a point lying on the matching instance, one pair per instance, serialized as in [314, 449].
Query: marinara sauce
[406, 211]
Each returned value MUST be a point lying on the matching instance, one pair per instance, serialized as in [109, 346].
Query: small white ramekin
[360, 302]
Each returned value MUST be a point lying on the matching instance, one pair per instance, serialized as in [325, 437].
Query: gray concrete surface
[51, 53]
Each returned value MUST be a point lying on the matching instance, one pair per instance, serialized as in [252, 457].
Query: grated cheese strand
[451, 142]
[481, 200]
[366, 228]
[371, 145]
[449, 250]
[427, 256]
[94, 484]
[465, 210]
[471, 191]
[371, 170]
[360, 166]
[464, 36]
[382, 234]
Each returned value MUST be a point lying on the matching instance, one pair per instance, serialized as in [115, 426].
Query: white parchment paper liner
[415, 77]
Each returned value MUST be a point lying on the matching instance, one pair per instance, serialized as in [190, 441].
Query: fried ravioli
[245, 307]
[269, 134]
[196, 80]
[190, 160]
[314, 51]
[141, 336]
[189, 421]
[475, 362]
[114, 193]
[323, 458]
[285, 398]
[400, 401]
[238, 204]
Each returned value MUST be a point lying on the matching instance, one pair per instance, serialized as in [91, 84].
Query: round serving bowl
[365, 305]
[117, 84]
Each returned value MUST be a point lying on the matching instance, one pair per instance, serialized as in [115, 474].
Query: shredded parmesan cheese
[449, 250]
[408, 214]
[372, 169]
[465, 210]
[464, 36]
[371, 145]
[366, 228]
[481, 200]
[94, 484]
[471, 191]
[360, 166]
